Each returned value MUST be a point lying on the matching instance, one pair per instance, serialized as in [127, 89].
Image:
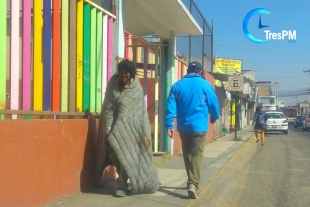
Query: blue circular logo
[246, 20]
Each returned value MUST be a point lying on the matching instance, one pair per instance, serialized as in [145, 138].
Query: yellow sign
[227, 66]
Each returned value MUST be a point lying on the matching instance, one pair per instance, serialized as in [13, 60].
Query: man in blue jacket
[191, 100]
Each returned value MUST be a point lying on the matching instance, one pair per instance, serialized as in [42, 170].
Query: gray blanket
[125, 120]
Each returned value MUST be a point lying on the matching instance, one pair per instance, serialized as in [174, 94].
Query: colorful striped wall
[65, 65]
[3, 58]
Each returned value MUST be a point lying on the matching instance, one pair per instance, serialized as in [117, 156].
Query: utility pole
[296, 100]
[276, 90]
[306, 71]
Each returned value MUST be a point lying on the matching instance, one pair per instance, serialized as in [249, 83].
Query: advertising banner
[227, 66]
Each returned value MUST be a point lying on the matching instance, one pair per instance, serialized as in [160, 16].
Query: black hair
[192, 69]
[129, 65]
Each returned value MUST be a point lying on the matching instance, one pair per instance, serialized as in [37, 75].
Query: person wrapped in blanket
[125, 127]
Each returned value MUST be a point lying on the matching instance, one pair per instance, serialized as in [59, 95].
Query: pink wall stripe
[110, 47]
[104, 54]
[14, 96]
[130, 52]
[26, 54]
[145, 75]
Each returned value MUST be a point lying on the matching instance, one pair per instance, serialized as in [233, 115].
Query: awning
[161, 17]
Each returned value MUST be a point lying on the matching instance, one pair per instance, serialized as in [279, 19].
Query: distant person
[125, 124]
[191, 100]
[259, 123]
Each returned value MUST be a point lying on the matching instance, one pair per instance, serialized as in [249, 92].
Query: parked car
[276, 122]
[299, 121]
[290, 120]
[306, 123]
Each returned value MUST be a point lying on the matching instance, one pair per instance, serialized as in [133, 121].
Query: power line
[261, 50]
[283, 77]
[303, 90]
[307, 71]
[301, 93]
[283, 96]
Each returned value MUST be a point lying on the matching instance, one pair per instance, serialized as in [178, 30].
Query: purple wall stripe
[110, 46]
[104, 54]
[47, 27]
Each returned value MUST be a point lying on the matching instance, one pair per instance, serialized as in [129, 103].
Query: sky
[275, 60]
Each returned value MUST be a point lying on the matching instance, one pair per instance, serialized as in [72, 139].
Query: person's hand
[212, 121]
[171, 133]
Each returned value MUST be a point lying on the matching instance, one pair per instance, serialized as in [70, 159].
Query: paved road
[273, 175]
[279, 172]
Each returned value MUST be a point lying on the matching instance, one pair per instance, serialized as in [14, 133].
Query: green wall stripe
[86, 58]
[3, 55]
[93, 40]
[99, 63]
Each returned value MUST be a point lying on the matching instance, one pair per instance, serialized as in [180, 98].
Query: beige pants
[262, 133]
[192, 146]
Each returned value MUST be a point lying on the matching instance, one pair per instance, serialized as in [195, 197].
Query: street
[279, 173]
[273, 175]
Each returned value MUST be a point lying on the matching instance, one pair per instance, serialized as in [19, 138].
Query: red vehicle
[306, 123]
[290, 115]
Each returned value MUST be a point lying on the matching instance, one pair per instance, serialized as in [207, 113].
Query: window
[275, 116]
[301, 117]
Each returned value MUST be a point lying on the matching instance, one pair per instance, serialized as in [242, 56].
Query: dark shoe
[257, 140]
[192, 191]
[120, 193]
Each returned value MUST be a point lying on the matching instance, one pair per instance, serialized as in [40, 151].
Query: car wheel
[295, 127]
[285, 132]
[307, 129]
[303, 129]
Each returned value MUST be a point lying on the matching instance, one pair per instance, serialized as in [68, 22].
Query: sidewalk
[172, 178]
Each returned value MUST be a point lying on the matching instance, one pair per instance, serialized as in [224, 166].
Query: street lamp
[306, 106]
[296, 100]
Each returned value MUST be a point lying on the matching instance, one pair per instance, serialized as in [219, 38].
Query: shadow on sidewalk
[163, 189]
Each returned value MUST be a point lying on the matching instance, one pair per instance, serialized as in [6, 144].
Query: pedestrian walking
[259, 123]
[191, 100]
[125, 124]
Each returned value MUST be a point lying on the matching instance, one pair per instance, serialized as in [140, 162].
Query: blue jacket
[192, 99]
[259, 121]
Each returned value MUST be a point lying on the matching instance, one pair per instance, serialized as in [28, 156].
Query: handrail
[48, 113]
[100, 8]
